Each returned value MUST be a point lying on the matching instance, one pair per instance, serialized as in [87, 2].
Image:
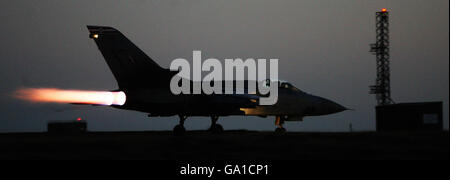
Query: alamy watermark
[213, 83]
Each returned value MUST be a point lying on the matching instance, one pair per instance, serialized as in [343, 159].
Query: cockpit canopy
[284, 85]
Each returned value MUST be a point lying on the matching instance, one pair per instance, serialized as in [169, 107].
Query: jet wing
[236, 100]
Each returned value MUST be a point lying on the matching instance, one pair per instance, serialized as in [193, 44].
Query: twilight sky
[322, 47]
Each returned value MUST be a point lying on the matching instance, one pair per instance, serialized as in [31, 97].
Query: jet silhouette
[147, 89]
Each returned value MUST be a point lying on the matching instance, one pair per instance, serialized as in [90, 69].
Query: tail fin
[131, 67]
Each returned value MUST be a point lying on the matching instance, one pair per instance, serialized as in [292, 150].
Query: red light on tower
[79, 119]
[384, 10]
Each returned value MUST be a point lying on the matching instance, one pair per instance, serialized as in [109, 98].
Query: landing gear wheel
[279, 123]
[179, 130]
[280, 130]
[216, 128]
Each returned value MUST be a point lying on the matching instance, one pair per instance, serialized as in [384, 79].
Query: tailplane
[131, 67]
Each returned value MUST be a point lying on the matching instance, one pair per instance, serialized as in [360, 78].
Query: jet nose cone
[331, 107]
[320, 106]
[335, 107]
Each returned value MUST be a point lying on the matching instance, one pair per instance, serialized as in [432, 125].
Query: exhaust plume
[52, 95]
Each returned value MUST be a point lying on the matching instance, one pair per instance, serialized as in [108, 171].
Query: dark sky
[322, 46]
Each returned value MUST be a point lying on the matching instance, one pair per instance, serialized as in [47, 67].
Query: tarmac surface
[230, 145]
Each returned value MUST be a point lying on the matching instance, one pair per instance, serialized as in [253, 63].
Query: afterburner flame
[49, 95]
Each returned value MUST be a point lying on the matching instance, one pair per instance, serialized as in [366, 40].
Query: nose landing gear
[279, 123]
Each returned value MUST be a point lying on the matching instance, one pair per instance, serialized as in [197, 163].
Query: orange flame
[50, 95]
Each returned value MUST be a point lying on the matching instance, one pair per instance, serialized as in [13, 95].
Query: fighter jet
[147, 89]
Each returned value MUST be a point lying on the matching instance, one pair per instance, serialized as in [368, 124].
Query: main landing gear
[279, 123]
[215, 128]
[179, 129]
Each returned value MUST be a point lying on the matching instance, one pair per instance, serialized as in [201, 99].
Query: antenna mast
[382, 89]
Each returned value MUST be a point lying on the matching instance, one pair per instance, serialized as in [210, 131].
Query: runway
[231, 145]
